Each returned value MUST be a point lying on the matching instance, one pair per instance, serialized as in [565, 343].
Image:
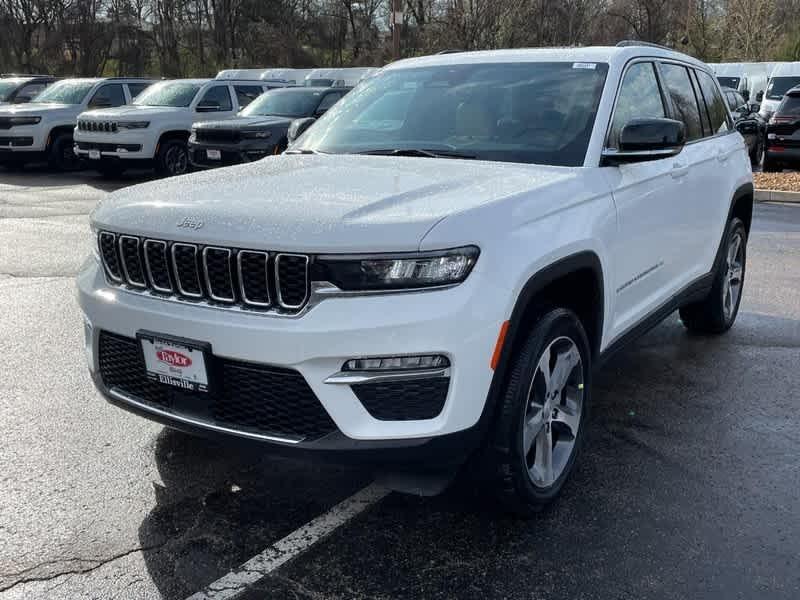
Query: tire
[717, 312]
[531, 418]
[769, 166]
[172, 158]
[61, 156]
[757, 153]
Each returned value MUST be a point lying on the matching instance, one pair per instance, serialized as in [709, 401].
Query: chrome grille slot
[253, 271]
[157, 263]
[131, 260]
[107, 245]
[187, 275]
[291, 279]
[254, 280]
[218, 273]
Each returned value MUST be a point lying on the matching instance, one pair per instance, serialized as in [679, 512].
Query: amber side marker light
[498, 347]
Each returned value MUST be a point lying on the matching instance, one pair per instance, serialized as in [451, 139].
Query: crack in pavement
[79, 571]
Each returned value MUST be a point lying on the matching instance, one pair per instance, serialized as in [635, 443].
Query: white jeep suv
[154, 130]
[430, 288]
[43, 127]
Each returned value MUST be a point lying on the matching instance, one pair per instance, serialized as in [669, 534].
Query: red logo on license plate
[176, 359]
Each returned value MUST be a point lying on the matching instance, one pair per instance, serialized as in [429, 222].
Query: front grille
[251, 279]
[410, 400]
[102, 126]
[243, 396]
[16, 141]
[226, 136]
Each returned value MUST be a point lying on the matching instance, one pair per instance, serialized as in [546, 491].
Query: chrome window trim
[150, 271]
[278, 279]
[357, 377]
[111, 275]
[211, 293]
[143, 283]
[242, 291]
[196, 270]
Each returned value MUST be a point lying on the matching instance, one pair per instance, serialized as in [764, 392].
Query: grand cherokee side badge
[191, 223]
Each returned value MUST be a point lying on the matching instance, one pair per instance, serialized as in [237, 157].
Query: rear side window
[136, 88]
[639, 97]
[328, 101]
[715, 107]
[790, 106]
[32, 89]
[109, 95]
[679, 88]
[245, 94]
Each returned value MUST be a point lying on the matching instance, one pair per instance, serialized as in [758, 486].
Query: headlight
[133, 124]
[396, 271]
[256, 135]
[25, 120]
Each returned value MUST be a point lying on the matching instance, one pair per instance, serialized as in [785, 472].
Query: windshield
[533, 112]
[65, 92]
[778, 86]
[731, 82]
[7, 88]
[280, 103]
[168, 93]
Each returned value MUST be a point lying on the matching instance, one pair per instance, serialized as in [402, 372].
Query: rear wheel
[717, 312]
[172, 158]
[540, 428]
[61, 155]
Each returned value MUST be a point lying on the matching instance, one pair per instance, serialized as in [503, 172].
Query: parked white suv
[154, 130]
[433, 287]
[43, 127]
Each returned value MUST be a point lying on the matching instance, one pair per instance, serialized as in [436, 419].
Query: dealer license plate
[214, 154]
[94, 154]
[176, 363]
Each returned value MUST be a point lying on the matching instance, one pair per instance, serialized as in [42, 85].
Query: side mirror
[22, 99]
[298, 128]
[208, 106]
[760, 96]
[647, 139]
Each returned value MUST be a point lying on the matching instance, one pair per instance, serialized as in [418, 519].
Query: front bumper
[459, 323]
[230, 154]
[123, 145]
[19, 140]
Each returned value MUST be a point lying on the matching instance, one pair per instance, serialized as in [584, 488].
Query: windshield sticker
[584, 65]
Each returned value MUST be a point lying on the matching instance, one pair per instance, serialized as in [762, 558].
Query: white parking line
[297, 542]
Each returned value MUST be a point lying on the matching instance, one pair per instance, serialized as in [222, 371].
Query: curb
[776, 196]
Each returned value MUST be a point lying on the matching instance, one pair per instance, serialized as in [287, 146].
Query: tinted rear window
[790, 107]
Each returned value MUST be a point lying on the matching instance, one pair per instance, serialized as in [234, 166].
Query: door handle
[679, 170]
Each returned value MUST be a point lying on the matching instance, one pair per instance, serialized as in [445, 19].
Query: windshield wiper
[418, 152]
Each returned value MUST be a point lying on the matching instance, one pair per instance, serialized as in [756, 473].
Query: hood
[44, 108]
[133, 111]
[256, 122]
[316, 203]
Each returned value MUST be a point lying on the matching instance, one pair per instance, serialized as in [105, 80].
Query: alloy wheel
[176, 160]
[553, 412]
[734, 275]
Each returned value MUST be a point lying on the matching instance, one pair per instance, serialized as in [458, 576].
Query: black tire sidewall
[553, 324]
[56, 158]
[734, 225]
[161, 165]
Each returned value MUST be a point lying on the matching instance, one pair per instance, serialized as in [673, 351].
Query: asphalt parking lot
[689, 486]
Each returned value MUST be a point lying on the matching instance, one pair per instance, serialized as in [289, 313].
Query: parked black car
[783, 134]
[19, 89]
[748, 122]
[261, 128]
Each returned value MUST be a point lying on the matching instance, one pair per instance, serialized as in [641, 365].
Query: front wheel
[717, 312]
[172, 158]
[542, 421]
[61, 156]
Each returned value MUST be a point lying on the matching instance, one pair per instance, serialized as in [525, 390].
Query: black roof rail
[451, 51]
[628, 43]
[23, 75]
[135, 78]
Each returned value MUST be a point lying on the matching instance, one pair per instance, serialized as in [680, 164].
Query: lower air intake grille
[244, 397]
[410, 400]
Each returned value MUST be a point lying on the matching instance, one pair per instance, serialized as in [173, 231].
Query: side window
[245, 94]
[218, 96]
[731, 98]
[714, 103]
[328, 101]
[639, 97]
[136, 88]
[679, 87]
[108, 95]
[31, 90]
